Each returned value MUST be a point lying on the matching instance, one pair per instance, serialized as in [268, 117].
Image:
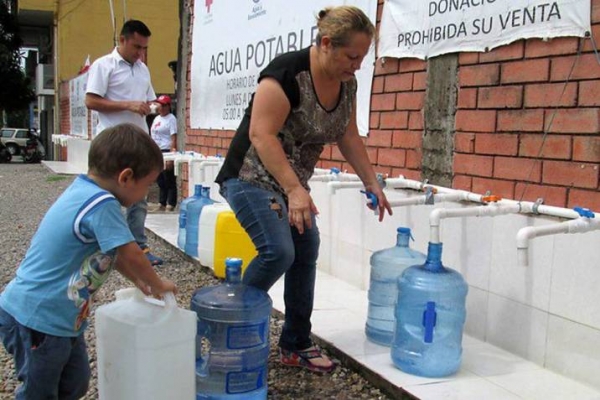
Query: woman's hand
[300, 208]
[382, 202]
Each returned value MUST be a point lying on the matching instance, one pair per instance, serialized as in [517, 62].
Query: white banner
[77, 108]
[233, 40]
[422, 29]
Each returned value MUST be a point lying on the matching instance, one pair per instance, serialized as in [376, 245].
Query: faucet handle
[491, 198]
[584, 212]
[372, 201]
[429, 195]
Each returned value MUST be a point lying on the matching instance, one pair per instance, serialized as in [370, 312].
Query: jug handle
[170, 300]
[168, 297]
[170, 306]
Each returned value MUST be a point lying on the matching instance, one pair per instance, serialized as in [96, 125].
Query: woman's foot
[312, 359]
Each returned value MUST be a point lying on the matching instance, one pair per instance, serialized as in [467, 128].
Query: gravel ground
[27, 191]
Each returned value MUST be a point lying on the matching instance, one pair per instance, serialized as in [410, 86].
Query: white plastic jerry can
[145, 348]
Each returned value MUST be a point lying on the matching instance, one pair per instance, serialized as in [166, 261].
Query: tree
[15, 90]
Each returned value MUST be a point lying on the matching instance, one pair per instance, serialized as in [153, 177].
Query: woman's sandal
[301, 358]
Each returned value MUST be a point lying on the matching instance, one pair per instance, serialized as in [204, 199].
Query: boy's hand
[143, 287]
[165, 286]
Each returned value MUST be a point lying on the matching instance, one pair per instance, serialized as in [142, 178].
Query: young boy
[82, 237]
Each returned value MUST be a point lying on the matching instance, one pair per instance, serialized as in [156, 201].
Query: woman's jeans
[281, 250]
[49, 367]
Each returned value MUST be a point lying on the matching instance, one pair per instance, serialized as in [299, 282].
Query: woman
[164, 133]
[304, 99]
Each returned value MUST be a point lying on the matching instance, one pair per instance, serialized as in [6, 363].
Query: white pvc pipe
[171, 156]
[579, 225]
[185, 158]
[559, 212]
[207, 163]
[490, 210]
[403, 183]
[341, 177]
[321, 171]
[332, 187]
[457, 195]
[322, 178]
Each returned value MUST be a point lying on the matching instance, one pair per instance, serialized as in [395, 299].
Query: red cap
[164, 99]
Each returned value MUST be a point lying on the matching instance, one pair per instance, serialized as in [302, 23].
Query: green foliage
[55, 178]
[15, 90]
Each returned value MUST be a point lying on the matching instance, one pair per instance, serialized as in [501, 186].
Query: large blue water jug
[430, 315]
[386, 267]
[194, 209]
[183, 215]
[232, 344]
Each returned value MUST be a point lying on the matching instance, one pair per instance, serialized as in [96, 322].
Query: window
[21, 134]
[6, 133]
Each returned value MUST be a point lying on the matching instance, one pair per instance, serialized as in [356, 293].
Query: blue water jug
[386, 267]
[232, 344]
[430, 315]
[194, 209]
[183, 215]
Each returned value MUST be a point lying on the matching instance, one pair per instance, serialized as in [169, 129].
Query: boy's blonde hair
[124, 146]
[340, 23]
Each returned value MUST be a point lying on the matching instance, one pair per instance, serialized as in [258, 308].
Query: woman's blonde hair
[339, 23]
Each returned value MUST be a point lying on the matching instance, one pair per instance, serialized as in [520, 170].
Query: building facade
[60, 35]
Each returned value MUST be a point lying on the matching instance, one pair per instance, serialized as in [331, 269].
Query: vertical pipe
[113, 21]
[56, 111]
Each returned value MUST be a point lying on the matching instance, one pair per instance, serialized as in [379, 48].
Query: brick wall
[65, 118]
[507, 99]
[396, 119]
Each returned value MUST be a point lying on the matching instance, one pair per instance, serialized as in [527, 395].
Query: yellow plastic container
[222, 236]
[231, 240]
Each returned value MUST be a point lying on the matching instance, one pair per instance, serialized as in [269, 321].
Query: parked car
[14, 139]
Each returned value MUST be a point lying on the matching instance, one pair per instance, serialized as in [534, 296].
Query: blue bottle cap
[233, 262]
[233, 270]
[403, 230]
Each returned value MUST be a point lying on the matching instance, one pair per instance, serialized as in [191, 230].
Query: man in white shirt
[120, 90]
